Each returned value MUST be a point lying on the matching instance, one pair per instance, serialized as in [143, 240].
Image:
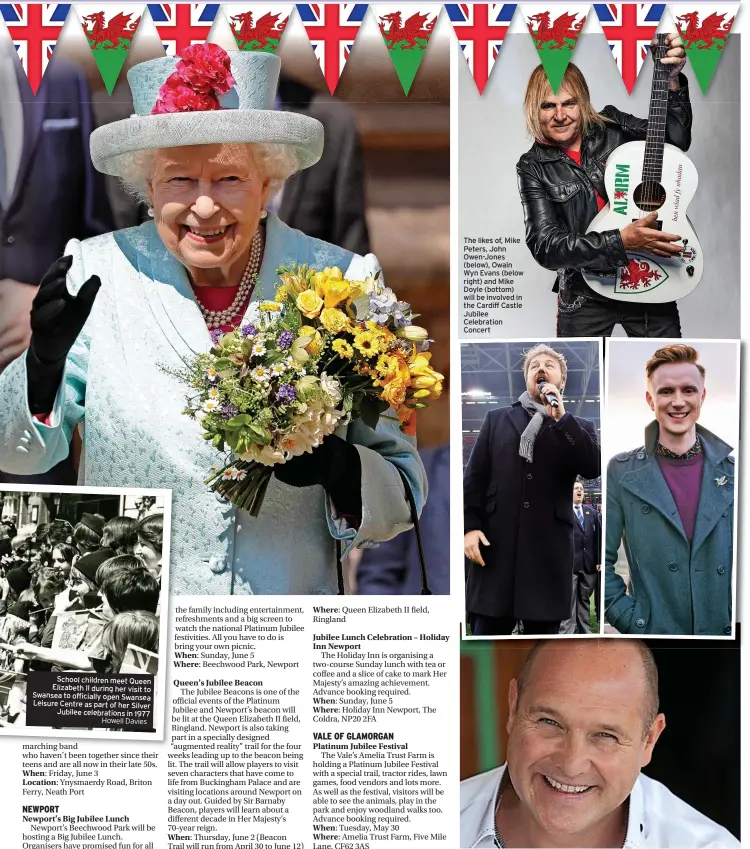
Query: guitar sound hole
[649, 196]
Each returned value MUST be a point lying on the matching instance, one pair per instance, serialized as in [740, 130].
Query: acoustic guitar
[644, 177]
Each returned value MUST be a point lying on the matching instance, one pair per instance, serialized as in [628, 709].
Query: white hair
[277, 162]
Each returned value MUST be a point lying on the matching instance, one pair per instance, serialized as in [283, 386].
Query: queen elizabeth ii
[207, 150]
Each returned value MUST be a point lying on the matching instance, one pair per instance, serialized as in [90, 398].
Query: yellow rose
[309, 303]
[343, 348]
[333, 320]
[394, 392]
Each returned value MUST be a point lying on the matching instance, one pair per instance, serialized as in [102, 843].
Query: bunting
[480, 29]
[109, 31]
[704, 30]
[629, 28]
[34, 29]
[332, 29]
[181, 24]
[258, 26]
[406, 30]
[555, 30]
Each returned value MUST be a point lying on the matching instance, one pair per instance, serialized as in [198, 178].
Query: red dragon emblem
[711, 33]
[257, 36]
[564, 31]
[119, 29]
[638, 275]
[620, 194]
[414, 29]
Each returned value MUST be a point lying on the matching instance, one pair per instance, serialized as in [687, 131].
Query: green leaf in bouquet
[277, 356]
[261, 434]
[370, 409]
[241, 420]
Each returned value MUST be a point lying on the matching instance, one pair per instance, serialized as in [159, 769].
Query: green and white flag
[109, 30]
[704, 30]
[555, 30]
[406, 30]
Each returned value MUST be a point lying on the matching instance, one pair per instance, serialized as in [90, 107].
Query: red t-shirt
[575, 155]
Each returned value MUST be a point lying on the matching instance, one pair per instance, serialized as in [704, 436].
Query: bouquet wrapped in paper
[325, 351]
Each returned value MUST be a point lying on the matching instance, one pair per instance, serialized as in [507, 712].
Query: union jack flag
[332, 29]
[138, 661]
[34, 29]
[181, 24]
[629, 28]
[480, 30]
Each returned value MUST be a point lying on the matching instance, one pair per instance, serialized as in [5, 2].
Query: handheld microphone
[549, 397]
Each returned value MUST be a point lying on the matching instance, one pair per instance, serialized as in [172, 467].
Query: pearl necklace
[218, 318]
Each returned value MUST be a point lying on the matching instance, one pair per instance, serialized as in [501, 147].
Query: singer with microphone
[518, 518]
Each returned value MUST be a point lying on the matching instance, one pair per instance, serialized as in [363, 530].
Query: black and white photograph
[83, 590]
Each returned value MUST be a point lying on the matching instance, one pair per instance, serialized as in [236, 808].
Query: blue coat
[675, 588]
[145, 318]
[393, 567]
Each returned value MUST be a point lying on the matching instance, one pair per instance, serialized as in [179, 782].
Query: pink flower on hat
[206, 68]
[202, 75]
[175, 96]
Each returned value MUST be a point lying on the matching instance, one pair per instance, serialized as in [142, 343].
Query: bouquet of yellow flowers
[325, 351]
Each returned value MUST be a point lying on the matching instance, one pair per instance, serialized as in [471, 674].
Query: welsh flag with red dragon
[555, 30]
[704, 30]
[406, 30]
[110, 31]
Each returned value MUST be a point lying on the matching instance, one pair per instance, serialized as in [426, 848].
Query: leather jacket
[559, 196]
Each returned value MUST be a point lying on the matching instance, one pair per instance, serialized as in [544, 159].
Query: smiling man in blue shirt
[583, 721]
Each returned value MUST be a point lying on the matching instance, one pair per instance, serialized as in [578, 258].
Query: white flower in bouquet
[267, 455]
[331, 387]
[261, 374]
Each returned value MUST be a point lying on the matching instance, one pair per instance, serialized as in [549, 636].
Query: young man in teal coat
[671, 503]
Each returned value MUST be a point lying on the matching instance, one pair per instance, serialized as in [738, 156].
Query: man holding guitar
[561, 182]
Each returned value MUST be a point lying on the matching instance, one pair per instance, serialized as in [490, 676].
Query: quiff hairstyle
[650, 674]
[538, 90]
[673, 354]
[545, 349]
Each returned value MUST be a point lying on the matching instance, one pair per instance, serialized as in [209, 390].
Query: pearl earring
[263, 214]
[150, 212]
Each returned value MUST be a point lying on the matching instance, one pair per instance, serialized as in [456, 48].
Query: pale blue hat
[247, 115]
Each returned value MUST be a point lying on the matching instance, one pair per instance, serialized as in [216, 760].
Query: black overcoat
[525, 510]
